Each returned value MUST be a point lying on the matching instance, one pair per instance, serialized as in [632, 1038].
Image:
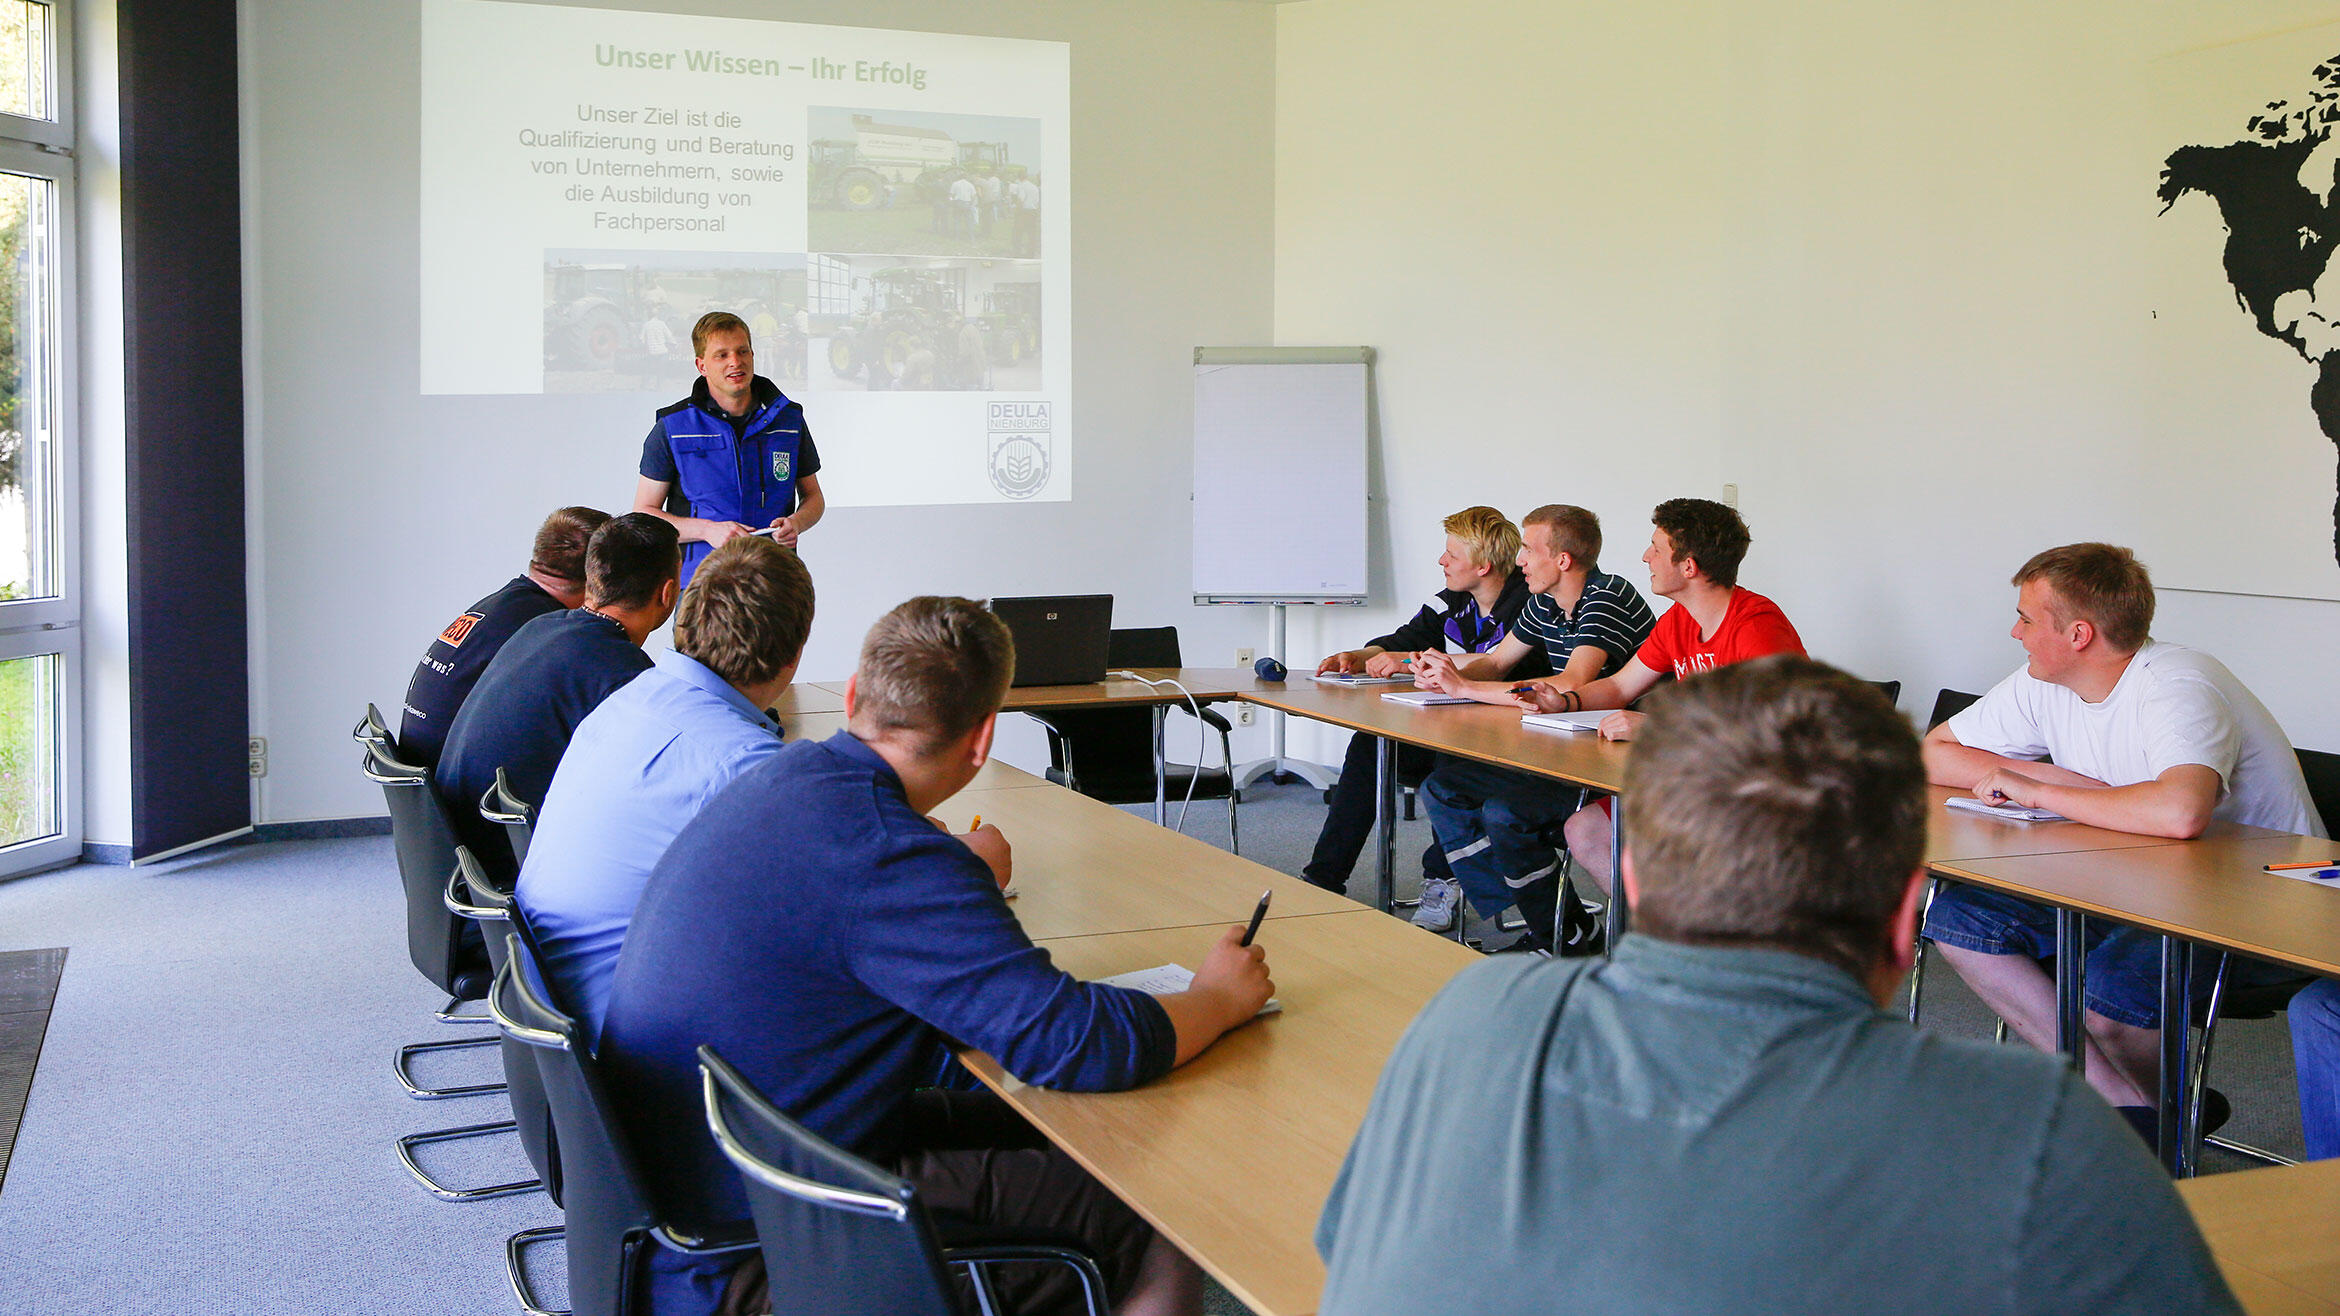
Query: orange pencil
[2285, 868]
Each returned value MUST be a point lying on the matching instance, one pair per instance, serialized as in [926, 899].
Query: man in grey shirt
[1720, 1118]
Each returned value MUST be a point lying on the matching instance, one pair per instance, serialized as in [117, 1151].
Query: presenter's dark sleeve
[657, 458]
[808, 457]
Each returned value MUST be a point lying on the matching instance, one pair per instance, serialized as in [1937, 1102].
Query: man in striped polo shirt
[1495, 825]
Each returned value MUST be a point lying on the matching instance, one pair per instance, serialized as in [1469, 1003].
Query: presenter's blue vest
[746, 474]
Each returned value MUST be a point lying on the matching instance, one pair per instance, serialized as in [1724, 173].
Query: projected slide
[887, 210]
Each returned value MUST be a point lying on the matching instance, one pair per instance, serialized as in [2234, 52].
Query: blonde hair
[1491, 537]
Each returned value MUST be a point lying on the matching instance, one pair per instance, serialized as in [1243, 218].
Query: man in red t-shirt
[1693, 559]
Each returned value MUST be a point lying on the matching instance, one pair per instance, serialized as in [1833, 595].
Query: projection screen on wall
[887, 210]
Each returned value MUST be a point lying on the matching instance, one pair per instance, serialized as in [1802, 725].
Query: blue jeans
[2315, 1053]
[1500, 830]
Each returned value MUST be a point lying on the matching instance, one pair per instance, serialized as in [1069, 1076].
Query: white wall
[1880, 266]
[382, 512]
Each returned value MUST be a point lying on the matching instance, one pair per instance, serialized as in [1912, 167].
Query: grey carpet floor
[210, 1127]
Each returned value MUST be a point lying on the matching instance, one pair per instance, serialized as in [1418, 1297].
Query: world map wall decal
[2277, 188]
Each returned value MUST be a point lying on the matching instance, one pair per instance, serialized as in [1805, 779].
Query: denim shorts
[2124, 964]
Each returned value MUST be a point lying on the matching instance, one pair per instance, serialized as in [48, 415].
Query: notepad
[1589, 719]
[1169, 980]
[1424, 698]
[2006, 812]
[1357, 679]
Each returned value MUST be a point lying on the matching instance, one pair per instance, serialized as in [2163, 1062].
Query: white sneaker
[1437, 910]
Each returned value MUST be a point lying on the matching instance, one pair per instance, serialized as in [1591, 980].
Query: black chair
[372, 730]
[445, 948]
[503, 806]
[435, 942]
[610, 1219]
[473, 894]
[842, 1237]
[2265, 1001]
[1947, 704]
[1109, 753]
[1890, 689]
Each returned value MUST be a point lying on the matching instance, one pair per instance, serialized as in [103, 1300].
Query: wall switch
[1730, 495]
[256, 756]
[1243, 657]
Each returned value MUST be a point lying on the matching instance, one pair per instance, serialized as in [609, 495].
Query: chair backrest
[372, 730]
[472, 894]
[2322, 771]
[841, 1237]
[425, 843]
[1890, 689]
[606, 1212]
[1949, 704]
[1143, 646]
[503, 806]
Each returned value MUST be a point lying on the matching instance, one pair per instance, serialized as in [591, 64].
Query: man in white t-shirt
[2145, 737]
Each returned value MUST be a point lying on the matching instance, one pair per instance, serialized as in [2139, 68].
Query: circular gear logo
[1019, 465]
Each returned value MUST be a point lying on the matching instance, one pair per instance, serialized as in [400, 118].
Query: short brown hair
[1706, 532]
[747, 612]
[559, 550]
[1777, 802]
[629, 558]
[2101, 584]
[1575, 532]
[934, 667]
[716, 322]
[1489, 534]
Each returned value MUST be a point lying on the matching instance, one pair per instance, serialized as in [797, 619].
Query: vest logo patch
[452, 637]
[780, 465]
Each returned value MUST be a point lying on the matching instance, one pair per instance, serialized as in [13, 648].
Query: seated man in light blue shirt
[655, 751]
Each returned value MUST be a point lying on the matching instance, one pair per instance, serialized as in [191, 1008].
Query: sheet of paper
[1423, 697]
[1169, 980]
[2006, 812]
[1586, 720]
[1352, 679]
[2328, 876]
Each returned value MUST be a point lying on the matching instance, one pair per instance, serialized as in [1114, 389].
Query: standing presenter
[737, 451]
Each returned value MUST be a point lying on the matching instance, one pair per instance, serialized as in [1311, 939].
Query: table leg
[2177, 1009]
[1385, 793]
[1161, 767]
[1617, 911]
[2071, 986]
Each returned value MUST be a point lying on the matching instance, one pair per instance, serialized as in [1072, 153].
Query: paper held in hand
[1169, 980]
[2007, 812]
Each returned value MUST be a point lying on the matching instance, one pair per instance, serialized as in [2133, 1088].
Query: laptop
[1061, 639]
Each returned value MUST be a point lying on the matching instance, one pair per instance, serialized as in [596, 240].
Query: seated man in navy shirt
[646, 761]
[451, 666]
[826, 937]
[554, 671]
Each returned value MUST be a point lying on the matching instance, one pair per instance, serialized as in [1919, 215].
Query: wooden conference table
[2208, 891]
[2273, 1235]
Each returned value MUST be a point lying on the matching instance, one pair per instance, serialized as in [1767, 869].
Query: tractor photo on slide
[902, 338]
[586, 321]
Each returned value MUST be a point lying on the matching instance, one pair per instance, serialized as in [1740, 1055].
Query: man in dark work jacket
[824, 936]
[555, 580]
[554, 671]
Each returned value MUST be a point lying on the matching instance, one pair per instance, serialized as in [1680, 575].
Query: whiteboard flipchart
[1279, 474]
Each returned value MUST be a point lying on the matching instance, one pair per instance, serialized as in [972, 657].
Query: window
[40, 605]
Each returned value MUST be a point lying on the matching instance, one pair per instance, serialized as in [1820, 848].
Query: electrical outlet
[256, 756]
[1243, 657]
[1243, 714]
